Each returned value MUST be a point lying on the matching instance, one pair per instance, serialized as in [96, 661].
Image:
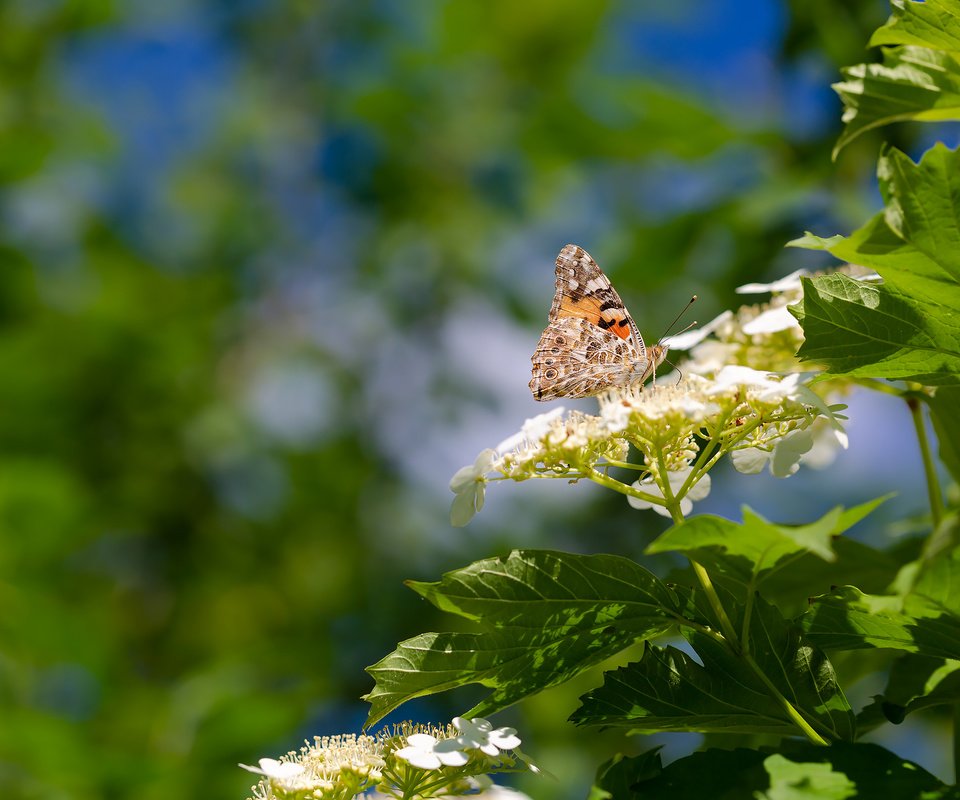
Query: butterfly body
[591, 343]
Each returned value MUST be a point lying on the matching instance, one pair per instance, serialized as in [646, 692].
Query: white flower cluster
[743, 393]
[343, 767]
[331, 768]
[430, 752]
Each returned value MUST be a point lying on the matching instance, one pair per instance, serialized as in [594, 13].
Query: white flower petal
[420, 751]
[464, 476]
[539, 426]
[505, 738]
[787, 388]
[771, 321]
[640, 505]
[750, 461]
[709, 356]
[450, 754]
[485, 461]
[735, 375]
[462, 479]
[511, 443]
[679, 477]
[700, 489]
[787, 453]
[687, 339]
[276, 770]
[421, 740]
[826, 443]
[465, 506]
[786, 283]
[418, 758]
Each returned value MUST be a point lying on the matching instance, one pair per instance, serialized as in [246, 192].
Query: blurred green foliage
[223, 229]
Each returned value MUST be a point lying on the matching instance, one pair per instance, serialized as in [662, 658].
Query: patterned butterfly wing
[591, 344]
[584, 291]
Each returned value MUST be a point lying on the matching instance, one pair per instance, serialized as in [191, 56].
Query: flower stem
[933, 485]
[612, 483]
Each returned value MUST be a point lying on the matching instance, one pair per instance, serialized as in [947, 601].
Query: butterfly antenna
[679, 371]
[676, 319]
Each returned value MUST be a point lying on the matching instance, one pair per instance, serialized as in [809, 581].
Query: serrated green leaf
[857, 564]
[909, 327]
[762, 543]
[946, 423]
[741, 773]
[810, 241]
[759, 554]
[848, 619]
[547, 616]
[538, 588]
[667, 690]
[923, 201]
[933, 23]
[862, 330]
[912, 83]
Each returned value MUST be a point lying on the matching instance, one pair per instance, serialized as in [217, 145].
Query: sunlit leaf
[932, 23]
[667, 690]
[870, 771]
[546, 616]
[848, 619]
[752, 551]
[912, 83]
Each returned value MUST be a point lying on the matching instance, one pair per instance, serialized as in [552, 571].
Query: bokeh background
[272, 270]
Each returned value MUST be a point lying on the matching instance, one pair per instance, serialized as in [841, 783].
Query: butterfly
[591, 343]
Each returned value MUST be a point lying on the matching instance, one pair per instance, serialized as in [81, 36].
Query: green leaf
[917, 682]
[937, 574]
[757, 544]
[909, 327]
[751, 554]
[871, 771]
[616, 777]
[912, 83]
[857, 564]
[848, 619]
[667, 690]
[547, 617]
[923, 202]
[934, 23]
[946, 423]
[861, 330]
[790, 780]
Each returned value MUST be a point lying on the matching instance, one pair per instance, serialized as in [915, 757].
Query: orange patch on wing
[613, 320]
[587, 308]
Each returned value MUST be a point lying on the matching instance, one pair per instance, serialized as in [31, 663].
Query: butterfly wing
[591, 343]
[583, 291]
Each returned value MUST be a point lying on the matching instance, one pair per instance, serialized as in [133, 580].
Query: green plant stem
[704, 577]
[794, 715]
[612, 483]
[732, 641]
[714, 599]
[933, 485]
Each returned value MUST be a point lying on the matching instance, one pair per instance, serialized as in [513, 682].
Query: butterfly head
[656, 356]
